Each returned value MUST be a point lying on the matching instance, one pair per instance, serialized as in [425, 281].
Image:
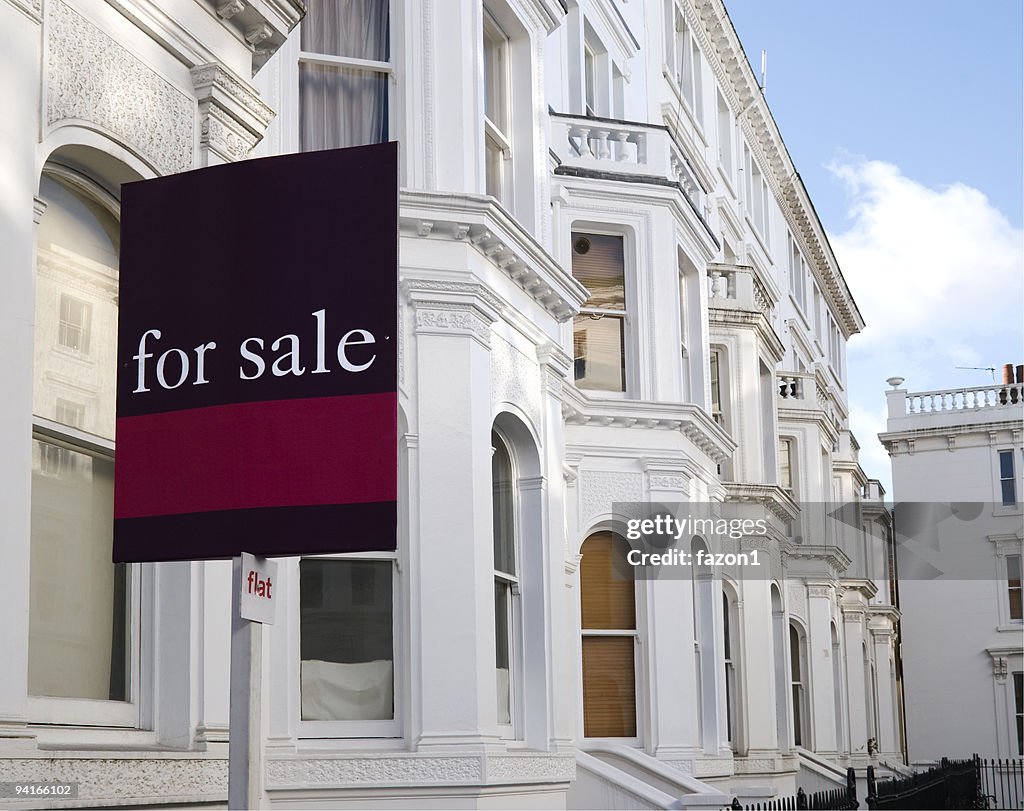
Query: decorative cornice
[500, 239]
[742, 91]
[747, 319]
[775, 499]
[832, 556]
[691, 420]
[262, 24]
[233, 117]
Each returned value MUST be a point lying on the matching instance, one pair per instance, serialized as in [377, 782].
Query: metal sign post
[252, 604]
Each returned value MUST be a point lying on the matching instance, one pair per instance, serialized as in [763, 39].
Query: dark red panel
[282, 453]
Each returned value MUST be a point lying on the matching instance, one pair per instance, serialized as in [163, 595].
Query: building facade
[614, 289]
[963, 631]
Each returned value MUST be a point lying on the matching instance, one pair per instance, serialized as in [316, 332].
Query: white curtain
[361, 691]
[344, 106]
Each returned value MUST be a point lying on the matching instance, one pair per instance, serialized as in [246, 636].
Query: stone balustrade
[797, 390]
[736, 286]
[1009, 395]
[625, 147]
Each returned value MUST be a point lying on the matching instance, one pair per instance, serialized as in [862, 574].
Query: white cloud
[938, 275]
[932, 270]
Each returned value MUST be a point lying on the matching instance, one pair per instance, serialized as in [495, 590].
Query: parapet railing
[965, 399]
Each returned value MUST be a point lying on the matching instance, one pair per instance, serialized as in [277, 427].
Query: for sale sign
[257, 359]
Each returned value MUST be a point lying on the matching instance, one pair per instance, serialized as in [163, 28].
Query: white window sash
[387, 728]
[327, 60]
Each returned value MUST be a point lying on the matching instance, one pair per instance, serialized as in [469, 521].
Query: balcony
[798, 390]
[625, 148]
[738, 287]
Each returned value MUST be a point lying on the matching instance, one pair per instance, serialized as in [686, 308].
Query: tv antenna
[990, 369]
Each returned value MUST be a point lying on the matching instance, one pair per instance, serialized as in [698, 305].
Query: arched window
[506, 578]
[608, 623]
[80, 605]
[798, 682]
[782, 676]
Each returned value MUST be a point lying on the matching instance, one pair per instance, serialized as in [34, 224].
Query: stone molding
[498, 238]
[442, 319]
[92, 78]
[33, 9]
[516, 379]
[599, 489]
[412, 769]
[690, 420]
[232, 116]
[117, 781]
[444, 308]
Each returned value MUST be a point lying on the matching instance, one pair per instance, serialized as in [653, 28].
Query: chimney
[1020, 374]
[1007, 374]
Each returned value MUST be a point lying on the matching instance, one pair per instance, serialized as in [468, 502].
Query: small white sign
[258, 589]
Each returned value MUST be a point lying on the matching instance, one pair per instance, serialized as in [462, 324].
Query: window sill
[354, 745]
[1014, 627]
[94, 739]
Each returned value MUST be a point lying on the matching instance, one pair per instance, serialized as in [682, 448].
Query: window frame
[497, 134]
[624, 633]
[684, 63]
[378, 729]
[731, 668]
[630, 361]
[1010, 588]
[799, 687]
[1004, 480]
[331, 61]
[514, 600]
[86, 712]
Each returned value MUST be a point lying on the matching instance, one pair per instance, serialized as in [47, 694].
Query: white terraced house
[614, 289]
[963, 447]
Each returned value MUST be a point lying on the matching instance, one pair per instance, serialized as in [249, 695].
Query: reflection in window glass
[78, 603]
[346, 640]
[79, 628]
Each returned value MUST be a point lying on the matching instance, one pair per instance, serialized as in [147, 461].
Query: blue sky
[905, 121]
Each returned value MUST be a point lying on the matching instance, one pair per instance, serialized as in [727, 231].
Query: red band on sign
[279, 453]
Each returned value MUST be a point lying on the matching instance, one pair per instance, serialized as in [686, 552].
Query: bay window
[344, 73]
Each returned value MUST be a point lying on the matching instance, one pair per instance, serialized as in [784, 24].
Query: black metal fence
[1002, 783]
[836, 799]
[953, 784]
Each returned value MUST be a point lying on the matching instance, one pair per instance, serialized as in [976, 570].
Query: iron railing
[837, 799]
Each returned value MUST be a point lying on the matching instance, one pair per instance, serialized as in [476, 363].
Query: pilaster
[453, 563]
